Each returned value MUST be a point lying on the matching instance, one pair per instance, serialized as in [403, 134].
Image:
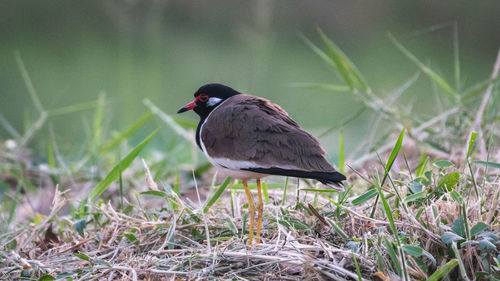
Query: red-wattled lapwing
[248, 137]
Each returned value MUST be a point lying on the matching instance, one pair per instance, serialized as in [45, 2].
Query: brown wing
[248, 128]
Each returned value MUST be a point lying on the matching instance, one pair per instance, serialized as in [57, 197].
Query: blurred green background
[165, 50]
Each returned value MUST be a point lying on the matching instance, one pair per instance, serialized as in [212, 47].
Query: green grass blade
[265, 192]
[319, 52]
[9, 128]
[456, 56]
[422, 165]
[319, 190]
[461, 265]
[388, 166]
[154, 193]
[394, 154]
[396, 264]
[321, 86]
[283, 199]
[120, 183]
[186, 124]
[29, 83]
[358, 271]
[122, 165]
[344, 66]
[388, 212]
[72, 108]
[12, 209]
[125, 134]
[341, 151]
[98, 121]
[217, 194]
[365, 197]
[443, 270]
[176, 184]
[425, 69]
[339, 230]
[487, 164]
[478, 88]
[472, 140]
[169, 120]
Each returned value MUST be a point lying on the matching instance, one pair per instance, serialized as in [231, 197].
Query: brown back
[249, 128]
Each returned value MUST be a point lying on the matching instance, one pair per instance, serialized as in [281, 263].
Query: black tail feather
[333, 179]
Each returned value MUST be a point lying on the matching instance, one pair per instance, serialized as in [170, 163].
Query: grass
[421, 202]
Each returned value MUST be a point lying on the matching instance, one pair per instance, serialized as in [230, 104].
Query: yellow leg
[260, 209]
[251, 209]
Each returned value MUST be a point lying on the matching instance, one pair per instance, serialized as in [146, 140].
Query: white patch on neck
[213, 101]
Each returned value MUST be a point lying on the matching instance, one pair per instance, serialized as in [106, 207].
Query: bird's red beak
[187, 107]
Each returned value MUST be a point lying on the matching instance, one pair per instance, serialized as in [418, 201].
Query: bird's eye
[203, 98]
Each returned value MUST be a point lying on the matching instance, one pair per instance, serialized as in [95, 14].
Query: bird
[248, 137]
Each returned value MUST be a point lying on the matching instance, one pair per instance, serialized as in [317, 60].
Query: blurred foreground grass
[421, 202]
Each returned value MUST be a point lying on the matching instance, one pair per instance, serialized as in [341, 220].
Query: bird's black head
[207, 98]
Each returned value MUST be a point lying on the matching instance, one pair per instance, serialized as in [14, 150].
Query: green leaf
[412, 250]
[80, 226]
[217, 194]
[442, 164]
[64, 274]
[365, 196]
[154, 193]
[485, 244]
[428, 178]
[458, 226]
[46, 277]
[443, 270]
[294, 224]
[456, 196]
[26, 273]
[126, 134]
[429, 256]
[232, 227]
[489, 235]
[83, 257]
[416, 186]
[449, 180]
[450, 237]
[479, 227]
[415, 196]
[131, 237]
[487, 164]
[120, 167]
